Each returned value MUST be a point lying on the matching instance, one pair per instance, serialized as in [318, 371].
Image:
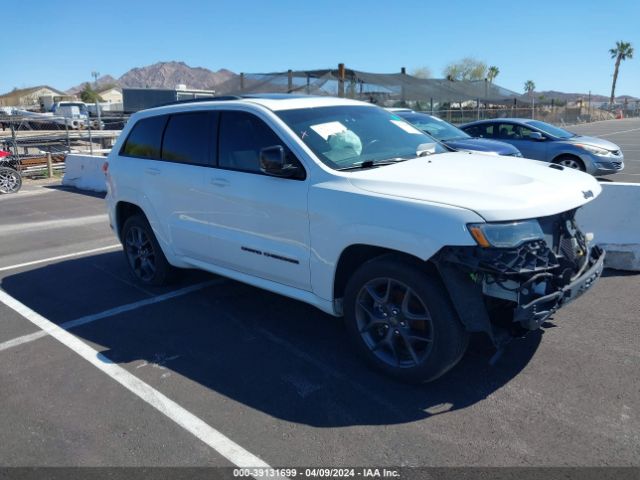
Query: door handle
[219, 182]
[152, 171]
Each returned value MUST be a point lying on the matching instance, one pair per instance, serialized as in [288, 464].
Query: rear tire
[401, 320]
[570, 161]
[144, 256]
[10, 180]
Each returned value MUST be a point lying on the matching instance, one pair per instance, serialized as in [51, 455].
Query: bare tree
[421, 72]
[466, 69]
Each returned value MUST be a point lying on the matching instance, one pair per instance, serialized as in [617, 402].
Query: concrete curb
[614, 218]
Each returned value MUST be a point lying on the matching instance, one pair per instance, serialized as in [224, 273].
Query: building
[135, 99]
[28, 97]
[111, 95]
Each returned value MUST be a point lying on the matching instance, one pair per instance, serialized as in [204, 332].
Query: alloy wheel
[140, 253]
[394, 322]
[9, 180]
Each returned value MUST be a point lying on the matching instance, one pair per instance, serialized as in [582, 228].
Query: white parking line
[187, 420]
[616, 133]
[52, 224]
[61, 257]
[110, 313]
[23, 339]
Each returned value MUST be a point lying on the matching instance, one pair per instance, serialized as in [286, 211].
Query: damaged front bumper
[506, 292]
[534, 313]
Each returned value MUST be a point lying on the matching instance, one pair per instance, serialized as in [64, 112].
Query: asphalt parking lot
[97, 371]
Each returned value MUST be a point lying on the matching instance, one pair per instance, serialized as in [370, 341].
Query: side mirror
[537, 136]
[273, 162]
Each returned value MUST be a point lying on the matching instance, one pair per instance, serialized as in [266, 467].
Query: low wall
[614, 218]
[85, 172]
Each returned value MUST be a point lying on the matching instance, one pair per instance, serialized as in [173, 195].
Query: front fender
[340, 218]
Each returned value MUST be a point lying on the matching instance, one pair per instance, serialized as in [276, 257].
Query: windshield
[346, 136]
[434, 126]
[551, 130]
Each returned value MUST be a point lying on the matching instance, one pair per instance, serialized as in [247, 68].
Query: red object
[4, 154]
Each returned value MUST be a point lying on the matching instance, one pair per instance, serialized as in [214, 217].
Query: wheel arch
[353, 256]
[559, 156]
[125, 210]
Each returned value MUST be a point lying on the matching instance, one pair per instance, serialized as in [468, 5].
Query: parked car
[452, 136]
[345, 206]
[542, 141]
[10, 178]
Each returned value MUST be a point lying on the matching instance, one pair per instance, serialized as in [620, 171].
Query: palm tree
[622, 51]
[529, 87]
[492, 73]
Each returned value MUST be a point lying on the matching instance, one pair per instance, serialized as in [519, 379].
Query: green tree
[492, 73]
[89, 95]
[466, 69]
[529, 87]
[622, 51]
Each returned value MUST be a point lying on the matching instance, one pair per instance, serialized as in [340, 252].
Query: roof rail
[202, 99]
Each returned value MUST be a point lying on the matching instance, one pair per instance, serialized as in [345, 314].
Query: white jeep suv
[347, 207]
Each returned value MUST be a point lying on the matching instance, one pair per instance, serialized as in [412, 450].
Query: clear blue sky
[560, 45]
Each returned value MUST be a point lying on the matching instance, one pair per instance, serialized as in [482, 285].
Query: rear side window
[484, 130]
[189, 138]
[242, 136]
[145, 138]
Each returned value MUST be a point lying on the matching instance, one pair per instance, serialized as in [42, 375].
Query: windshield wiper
[373, 163]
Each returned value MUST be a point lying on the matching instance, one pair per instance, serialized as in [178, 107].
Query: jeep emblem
[587, 194]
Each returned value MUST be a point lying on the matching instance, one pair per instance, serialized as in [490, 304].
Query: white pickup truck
[347, 207]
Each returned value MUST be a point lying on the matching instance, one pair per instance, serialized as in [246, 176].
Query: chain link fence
[37, 144]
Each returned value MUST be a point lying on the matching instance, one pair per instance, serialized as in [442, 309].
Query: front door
[259, 223]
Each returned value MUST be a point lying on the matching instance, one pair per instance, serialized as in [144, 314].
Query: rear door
[188, 149]
[259, 223]
[178, 151]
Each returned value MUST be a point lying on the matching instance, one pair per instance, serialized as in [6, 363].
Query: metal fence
[38, 145]
[561, 116]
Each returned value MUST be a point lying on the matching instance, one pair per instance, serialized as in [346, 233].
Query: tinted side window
[242, 136]
[189, 138]
[145, 138]
[511, 131]
[484, 130]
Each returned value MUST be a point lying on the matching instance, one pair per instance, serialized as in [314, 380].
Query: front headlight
[505, 235]
[602, 152]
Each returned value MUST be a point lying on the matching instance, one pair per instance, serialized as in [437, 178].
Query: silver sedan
[542, 141]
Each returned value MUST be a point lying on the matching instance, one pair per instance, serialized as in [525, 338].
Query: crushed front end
[519, 274]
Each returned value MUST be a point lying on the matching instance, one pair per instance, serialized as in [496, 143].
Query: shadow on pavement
[273, 354]
[88, 193]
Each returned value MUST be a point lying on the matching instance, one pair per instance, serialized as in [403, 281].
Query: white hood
[497, 188]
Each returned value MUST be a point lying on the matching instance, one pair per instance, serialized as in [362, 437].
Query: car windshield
[551, 130]
[434, 126]
[348, 136]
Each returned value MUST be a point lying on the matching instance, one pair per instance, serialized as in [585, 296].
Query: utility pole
[341, 75]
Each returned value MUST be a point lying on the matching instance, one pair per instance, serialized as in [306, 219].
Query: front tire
[401, 320]
[570, 161]
[144, 256]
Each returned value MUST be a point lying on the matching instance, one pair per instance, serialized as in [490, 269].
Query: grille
[617, 165]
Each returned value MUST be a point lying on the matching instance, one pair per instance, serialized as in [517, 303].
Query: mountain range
[170, 74]
[164, 75]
